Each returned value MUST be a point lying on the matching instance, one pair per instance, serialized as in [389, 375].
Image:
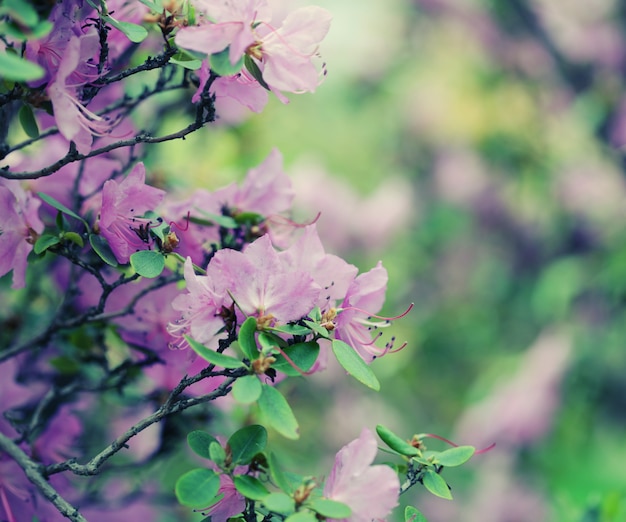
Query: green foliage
[199, 441]
[330, 508]
[216, 358]
[148, 263]
[354, 365]
[220, 63]
[303, 355]
[28, 121]
[247, 341]
[102, 248]
[411, 514]
[455, 456]
[277, 412]
[246, 443]
[279, 503]
[436, 485]
[395, 442]
[197, 488]
[247, 389]
[250, 487]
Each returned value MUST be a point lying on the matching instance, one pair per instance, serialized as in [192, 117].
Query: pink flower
[201, 307]
[283, 55]
[19, 227]
[76, 123]
[286, 53]
[232, 27]
[233, 503]
[364, 298]
[123, 204]
[371, 492]
[263, 285]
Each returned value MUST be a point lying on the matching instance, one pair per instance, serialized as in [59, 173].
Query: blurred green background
[475, 147]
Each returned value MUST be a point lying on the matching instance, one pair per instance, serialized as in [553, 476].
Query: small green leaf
[135, 33]
[413, 515]
[247, 341]
[279, 503]
[61, 207]
[302, 516]
[28, 121]
[277, 412]
[247, 389]
[101, 247]
[148, 263]
[436, 485]
[292, 329]
[185, 60]
[199, 441]
[246, 443]
[216, 358]
[217, 453]
[455, 456]
[220, 63]
[65, 365]
[17, 69]
[197, 487]
[303, 355]
[44, 242]
[249, 218]
[330, 508]
[254, 70]
[354, 365]
[278, 476]
[318, 329]
[74, 238]
[396, 443]
[250, 487]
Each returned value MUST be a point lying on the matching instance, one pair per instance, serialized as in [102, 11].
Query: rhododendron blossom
[371, 492]
[123, 205]
[19, 227]
[283, 55]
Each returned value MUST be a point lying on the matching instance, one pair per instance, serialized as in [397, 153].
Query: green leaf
[254, 70]
[197, 487]
[269, 342]
[292, 329]
[199, 441]
[186, 60]
[436, 485]
[44, 242]
[413, 515]
[218, 359]
[277, 412]
[302, 516]
[396, 443]
[247, 341]
[330, 508]
[74, 238]
[21, 11]
[278, 476]
[247, 389]
[246, 443]
[220, 63]
[217, 453]
[280, 503]
[135, 33]
[249, 218]
[354, 365]
[318, 329]
[28, 121]
[64, 364]
[148, 263]
[455, 456]
[250, 487]
[303, 355]
[61, 207]
[12, 67]
[102, 248]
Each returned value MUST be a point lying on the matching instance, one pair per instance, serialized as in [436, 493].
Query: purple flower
[365, 297]
[19, 228]
[371, 492]
[123, 204]
[76, 123]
